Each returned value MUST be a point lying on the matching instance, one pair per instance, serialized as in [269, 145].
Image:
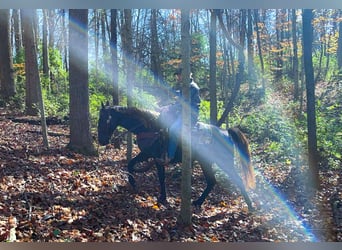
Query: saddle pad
[202, 133]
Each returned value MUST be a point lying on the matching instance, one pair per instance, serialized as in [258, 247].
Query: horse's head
[106, 125]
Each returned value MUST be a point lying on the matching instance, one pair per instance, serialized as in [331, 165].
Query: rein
[143, 136]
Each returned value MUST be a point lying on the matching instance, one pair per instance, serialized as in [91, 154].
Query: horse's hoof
[133, 187]
[162, 201]
[197, 204]
[251, 209]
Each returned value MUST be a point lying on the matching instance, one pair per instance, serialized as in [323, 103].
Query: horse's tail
[245, 156]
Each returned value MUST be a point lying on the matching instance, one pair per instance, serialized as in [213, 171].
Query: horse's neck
[131, 124]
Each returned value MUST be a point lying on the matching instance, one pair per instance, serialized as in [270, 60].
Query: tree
[279, 50]
[114, 54]
[212, 68]
[7, 85]
[17, 31]
[241, 62]
[105, 51]
[33, 87]
[46, 70]
[310, 92]
[64, 39]
[127, 41]
[80, 136]
[31, 64]
[261, 59]
[185, 214]
[295, 55]
[251, 73]
[339, 48]
[155, 52]
[96, 42]
[115, 68]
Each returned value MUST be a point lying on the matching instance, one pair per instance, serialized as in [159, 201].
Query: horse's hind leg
[235, 177]
[211, 181]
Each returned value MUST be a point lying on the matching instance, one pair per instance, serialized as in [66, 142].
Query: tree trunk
[241, 65]
[257, 31]
[250, 58]
[7, 85]
[105, 51]
[51, 17]
[115, 67]
[65, 38]
[278, 55]
[114, 54]
[186, 213]
[212, 66]
[17, 32]
[80, 136]
[31, 64]
[46, 69]
[155, 52]
[96, 41]
[310, 92]
[32, 72]
[339, 48]
[127, 41]
[295, 56]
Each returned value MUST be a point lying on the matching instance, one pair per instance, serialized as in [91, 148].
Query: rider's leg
[174, 134]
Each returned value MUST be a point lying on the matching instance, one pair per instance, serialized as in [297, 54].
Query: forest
[276, 74]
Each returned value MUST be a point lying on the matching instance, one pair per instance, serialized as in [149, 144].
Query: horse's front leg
[209, 175]
[161, 176]
[139, 158]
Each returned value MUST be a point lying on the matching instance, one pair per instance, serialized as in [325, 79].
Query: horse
[149, 129]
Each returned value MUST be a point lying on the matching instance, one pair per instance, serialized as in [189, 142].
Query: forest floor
[55, 195]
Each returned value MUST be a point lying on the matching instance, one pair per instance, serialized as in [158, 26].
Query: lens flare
[270, 194]
[266, 197]
[287, 216]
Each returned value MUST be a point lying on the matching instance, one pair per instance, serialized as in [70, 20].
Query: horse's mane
[148, 117]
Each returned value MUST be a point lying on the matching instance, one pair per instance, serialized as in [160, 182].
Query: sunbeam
[267, 197]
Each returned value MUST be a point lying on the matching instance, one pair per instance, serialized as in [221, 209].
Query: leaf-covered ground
[57, 195]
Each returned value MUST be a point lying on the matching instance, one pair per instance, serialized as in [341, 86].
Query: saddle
[146, 139]
[202, 133]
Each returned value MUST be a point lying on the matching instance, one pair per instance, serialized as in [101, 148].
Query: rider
[176, 127]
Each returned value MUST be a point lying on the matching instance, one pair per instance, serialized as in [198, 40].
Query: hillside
[59, 196]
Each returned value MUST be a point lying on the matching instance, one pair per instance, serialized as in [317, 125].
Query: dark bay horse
[218, 147]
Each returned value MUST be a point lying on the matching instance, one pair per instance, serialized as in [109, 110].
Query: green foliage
[144, 100]
[95, 100]
[19, 68]
[171, 57]
[19, 57]
[55, 104]
[57, 70]
[199, 56]
[276, 127]
[99, 82]
[269, 125]
[204, 114]
[99, 92]
[55, 86]
[329, 135]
